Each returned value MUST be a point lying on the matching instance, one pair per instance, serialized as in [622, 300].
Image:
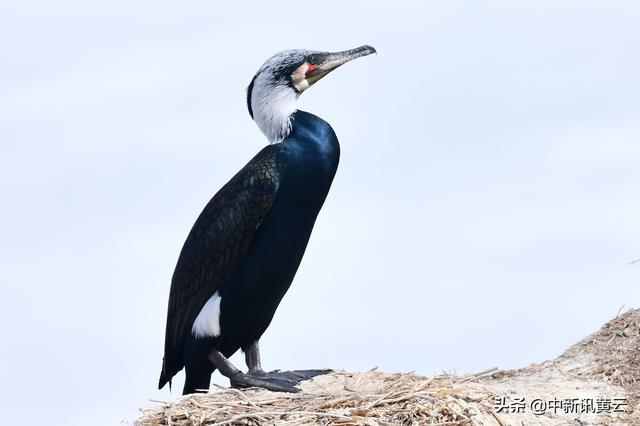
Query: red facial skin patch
[310, 67]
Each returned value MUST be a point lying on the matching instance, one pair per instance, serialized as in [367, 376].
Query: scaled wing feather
[215, 247]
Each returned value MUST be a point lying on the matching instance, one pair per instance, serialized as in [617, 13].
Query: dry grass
[615, 350]
[339, 398]
[607, 363]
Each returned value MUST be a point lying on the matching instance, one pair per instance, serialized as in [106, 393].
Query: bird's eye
[312, 59]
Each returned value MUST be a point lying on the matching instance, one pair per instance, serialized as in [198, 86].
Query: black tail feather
[164, 377]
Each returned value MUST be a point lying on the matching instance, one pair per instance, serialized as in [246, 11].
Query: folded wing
[215, 247]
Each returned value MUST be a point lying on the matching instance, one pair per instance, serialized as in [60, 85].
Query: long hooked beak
[327, 62]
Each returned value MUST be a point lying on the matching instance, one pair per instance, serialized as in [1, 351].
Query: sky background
[485, 211]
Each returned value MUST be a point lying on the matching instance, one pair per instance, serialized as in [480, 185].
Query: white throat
[272, 108]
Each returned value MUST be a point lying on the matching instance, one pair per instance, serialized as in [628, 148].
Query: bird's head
[273, 93]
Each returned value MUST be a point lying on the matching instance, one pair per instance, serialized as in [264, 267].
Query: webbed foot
[277, 381]
[242, 380]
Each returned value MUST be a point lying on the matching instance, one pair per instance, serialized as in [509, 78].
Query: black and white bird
[245, 247]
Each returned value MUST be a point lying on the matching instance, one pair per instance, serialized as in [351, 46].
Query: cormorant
[245, 247]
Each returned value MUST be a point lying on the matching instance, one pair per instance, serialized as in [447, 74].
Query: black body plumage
[247, 244]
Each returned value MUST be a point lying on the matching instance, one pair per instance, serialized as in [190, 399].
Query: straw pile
[338, 398]
[605, 364]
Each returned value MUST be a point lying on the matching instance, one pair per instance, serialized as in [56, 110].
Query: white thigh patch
[207, 324]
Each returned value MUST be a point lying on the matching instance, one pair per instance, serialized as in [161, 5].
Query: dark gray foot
[292, 376]
[242, 380]
[277, 381]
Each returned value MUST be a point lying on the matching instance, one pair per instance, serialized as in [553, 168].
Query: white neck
[272, 109]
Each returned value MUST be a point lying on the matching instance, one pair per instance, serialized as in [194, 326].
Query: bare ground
[594, 382]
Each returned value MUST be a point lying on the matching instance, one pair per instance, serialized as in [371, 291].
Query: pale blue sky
[485, 210]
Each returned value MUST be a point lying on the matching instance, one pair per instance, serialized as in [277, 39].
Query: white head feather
[272, 97]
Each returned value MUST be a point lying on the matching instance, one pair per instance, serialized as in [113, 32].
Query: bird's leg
[242, 380]
[252, 357]
[293, 377]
